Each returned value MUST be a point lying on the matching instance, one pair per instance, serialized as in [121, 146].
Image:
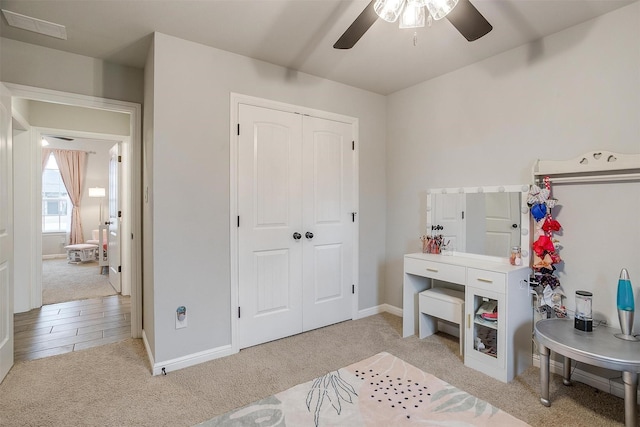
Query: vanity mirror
[486, 221]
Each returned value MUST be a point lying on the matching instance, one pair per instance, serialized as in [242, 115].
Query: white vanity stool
[443, 303]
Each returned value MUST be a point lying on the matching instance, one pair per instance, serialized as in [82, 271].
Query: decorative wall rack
[594, 166]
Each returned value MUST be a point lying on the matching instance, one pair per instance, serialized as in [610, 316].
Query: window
[56, 205]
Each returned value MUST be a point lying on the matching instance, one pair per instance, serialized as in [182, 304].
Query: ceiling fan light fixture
[413, 16]
[440, 8]
[389, 10]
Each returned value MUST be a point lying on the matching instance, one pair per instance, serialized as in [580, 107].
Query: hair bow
[542, 245]
[537, 195]
[539, 211]
[551, 224]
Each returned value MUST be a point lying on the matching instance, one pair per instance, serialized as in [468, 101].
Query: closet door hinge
[238, 220]
[353, 216]
[353, 145]
[238, 128]
[238, 312]
[119, 214]
[119, 159]
[353, 289]
[462, 214]
[119, 269]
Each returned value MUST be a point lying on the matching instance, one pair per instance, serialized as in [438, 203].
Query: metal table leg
[544, 375]
[630, 380]
[566, 371]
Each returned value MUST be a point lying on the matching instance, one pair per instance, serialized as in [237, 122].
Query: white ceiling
[299, 34]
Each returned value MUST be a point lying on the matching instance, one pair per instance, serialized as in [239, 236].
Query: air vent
[36, 25]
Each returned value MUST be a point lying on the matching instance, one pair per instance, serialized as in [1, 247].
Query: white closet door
[328, 165]
[295, 238]
[269, 194]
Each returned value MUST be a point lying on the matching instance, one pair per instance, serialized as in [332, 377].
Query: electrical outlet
[181, 317]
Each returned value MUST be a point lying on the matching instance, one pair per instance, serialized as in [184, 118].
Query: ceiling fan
[461, 13]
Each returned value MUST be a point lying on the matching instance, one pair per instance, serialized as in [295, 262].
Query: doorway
[65, 277]
[31, 250]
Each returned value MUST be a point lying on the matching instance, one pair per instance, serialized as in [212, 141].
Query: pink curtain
[46, 152]
[72, 165]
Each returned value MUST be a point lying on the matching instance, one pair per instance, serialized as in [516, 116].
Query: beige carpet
[111, 385]
[63, 282]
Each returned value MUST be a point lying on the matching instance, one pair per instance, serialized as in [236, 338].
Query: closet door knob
[308, 235]
[297, 236]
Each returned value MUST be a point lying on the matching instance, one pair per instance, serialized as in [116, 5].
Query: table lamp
[626, 307]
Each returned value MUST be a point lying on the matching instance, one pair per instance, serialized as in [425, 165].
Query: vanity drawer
[487, 280]
[435, 270]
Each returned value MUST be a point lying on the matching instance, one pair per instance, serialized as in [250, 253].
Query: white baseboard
[613, 386]
[193, 359]
[382, 308]
[54, 256]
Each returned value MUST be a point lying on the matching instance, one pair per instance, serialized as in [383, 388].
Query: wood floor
[70, 326]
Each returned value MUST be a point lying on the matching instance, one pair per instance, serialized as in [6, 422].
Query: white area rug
[379, 391]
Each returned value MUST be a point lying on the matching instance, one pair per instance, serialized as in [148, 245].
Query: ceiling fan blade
[356, 30]
[64, 138]
[466, 18]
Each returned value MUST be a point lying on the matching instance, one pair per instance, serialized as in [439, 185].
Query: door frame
[132, 163]
[235, 100]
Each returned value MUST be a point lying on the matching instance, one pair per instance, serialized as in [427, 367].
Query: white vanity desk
[482, 224]
[483, 280]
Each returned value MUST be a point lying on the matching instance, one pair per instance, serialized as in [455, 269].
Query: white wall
[31, 65]
[148, 308]
[575, 91]
[53, 244]
[190, 199]
[21, 107]
[23, 220]
[50, 115]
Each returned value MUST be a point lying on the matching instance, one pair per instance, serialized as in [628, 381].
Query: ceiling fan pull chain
[415, 38]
